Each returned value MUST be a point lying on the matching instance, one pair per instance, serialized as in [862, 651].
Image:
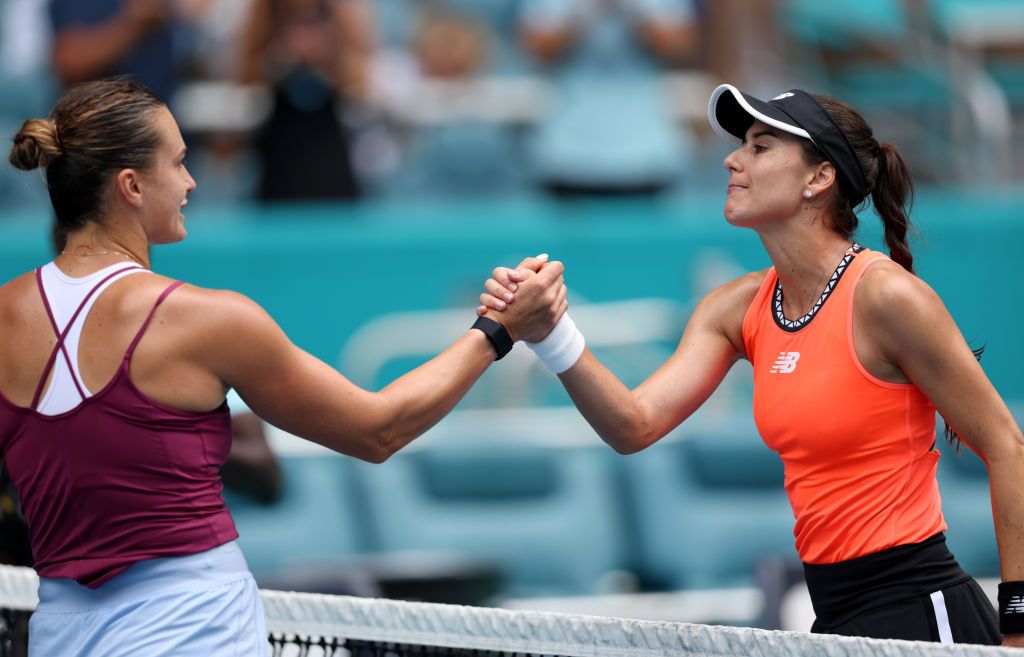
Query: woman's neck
[804, 261]
[97, 245]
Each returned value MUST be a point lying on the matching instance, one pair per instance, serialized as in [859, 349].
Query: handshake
[530, 303]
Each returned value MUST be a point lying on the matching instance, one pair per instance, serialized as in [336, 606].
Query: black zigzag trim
[794, 325]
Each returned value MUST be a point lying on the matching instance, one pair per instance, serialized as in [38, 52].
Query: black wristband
[496, 333]
[1011, 607]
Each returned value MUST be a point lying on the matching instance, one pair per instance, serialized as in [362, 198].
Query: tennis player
[852, 355]
[112, 384]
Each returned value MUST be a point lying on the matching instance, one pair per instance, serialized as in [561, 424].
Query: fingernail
[508, 298]
[542, 256]
[512, 286]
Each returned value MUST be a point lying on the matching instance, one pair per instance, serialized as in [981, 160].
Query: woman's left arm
[904, 324]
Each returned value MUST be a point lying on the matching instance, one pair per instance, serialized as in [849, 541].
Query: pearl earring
[807, 193]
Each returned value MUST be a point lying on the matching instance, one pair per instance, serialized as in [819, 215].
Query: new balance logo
[786, 362]
[1015, 606]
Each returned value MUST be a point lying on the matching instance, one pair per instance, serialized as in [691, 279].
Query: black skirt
[915, 592]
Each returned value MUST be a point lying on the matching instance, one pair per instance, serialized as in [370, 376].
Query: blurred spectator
[99, 38]
[450, 47]
[211, 43]
[219, 118]
[611, 130]
[468, 145]
[315, 54]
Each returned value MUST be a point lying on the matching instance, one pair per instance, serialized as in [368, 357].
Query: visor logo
[788, 94]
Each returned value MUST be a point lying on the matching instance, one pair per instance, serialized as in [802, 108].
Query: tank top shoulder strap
[754, 312]
[145, 324]
[864, 260]
[62, 334]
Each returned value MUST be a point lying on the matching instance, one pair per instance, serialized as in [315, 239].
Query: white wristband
[562, 347]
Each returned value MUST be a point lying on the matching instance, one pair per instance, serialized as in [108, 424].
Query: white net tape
[533, 632]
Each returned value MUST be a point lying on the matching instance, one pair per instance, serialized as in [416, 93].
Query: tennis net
[313, 625]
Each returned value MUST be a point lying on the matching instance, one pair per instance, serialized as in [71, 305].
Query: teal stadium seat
[902, 79]
[983, 25]
[867, 53]
[708, 508]
[545, 515]
[842, 24]
[315, 522]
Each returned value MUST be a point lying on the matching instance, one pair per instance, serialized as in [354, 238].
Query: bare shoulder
[733, 298]
[18, 290]
[214, 329]
[216, 312]
[19, 299]
[724, 308]
[889, 293]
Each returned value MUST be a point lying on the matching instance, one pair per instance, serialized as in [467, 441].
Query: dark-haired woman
[112, 384]
[852, 356]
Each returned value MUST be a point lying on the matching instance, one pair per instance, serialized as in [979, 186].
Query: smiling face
[767, 177]
[166, 184]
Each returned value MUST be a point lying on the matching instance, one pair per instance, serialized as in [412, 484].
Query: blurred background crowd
[382, 155]
[362, 99]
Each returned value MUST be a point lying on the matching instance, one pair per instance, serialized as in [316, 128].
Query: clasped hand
[529, 300]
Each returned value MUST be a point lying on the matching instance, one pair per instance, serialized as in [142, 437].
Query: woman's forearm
[1005, 468]
[612, 409]
[418, 400]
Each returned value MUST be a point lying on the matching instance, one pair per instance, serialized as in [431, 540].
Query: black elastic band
[827, 136]
[1011, 607]
[496, 333]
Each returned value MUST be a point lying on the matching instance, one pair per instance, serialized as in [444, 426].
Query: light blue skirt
[204, 604]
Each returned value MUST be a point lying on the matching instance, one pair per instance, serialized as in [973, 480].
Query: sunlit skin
[203, 342]
[167, 183]
[143, 207]
[767, 177]
[773, 191]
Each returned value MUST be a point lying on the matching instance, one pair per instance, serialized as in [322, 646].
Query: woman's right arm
[241, 345]
[631, 420]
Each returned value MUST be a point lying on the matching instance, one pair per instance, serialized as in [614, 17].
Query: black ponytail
[892, 194]
[887, 176]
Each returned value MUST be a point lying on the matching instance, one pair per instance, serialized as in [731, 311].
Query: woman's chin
[733, 216]
[171, 237]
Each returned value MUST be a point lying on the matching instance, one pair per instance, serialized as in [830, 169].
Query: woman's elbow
[366, 444]
[630, 442]
[624, 447]
[386, 442]
[1007, 457]
[377, 456]
[635, 433]
[378, 448]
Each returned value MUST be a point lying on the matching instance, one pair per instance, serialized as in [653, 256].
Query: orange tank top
[859, 452]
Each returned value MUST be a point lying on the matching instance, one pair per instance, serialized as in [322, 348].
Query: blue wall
[322, 271]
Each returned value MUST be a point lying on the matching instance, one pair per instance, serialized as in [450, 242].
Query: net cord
[567, 635]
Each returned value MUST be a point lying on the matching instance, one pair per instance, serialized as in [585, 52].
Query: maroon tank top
[120, 477]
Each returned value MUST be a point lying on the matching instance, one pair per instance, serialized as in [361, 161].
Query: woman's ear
[128, 187]
[821, 179]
